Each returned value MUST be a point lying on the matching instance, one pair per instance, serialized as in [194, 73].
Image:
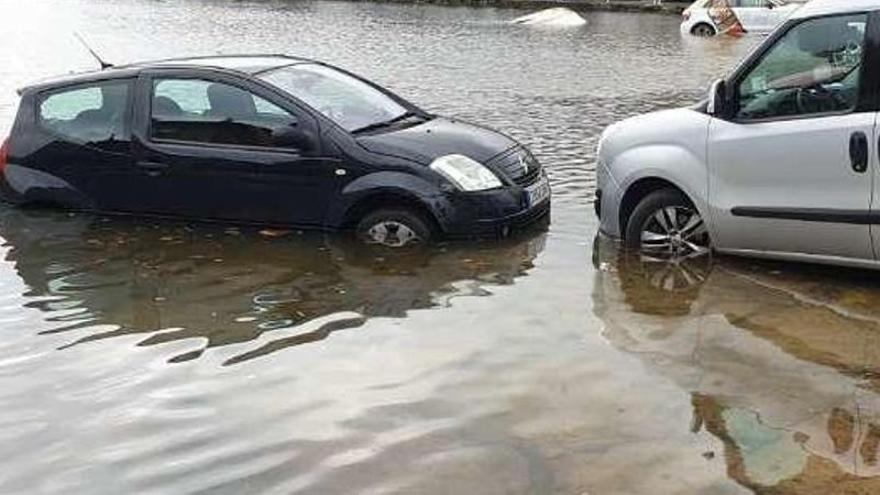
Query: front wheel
[395, 228]
[703, 30]
[665, 226]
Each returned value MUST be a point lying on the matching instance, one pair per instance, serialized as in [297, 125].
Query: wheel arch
[376, 200]
[644, 169]
[385, 189]
[637, 191]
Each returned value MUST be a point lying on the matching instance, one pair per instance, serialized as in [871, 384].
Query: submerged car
[780, 162]
[274, 140]
[755, 16]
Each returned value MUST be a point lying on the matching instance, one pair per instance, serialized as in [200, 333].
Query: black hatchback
[272, 140]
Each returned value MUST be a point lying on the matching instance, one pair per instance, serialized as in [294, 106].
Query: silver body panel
[784, 188]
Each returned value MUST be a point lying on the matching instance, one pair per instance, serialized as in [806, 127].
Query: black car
[274, 140]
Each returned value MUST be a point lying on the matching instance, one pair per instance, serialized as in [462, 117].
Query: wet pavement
[141, 356]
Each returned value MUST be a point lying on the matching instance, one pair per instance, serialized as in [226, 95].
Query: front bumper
[491, 214]
[607, 202]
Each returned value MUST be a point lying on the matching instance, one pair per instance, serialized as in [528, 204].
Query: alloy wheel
[674, 232]
[391, 233]
[675, 239]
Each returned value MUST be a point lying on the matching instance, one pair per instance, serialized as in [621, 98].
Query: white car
[755, 16]
[782, 161]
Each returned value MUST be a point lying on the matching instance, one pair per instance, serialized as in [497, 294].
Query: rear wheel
[703, 30]
[395, 228]
[665, 227]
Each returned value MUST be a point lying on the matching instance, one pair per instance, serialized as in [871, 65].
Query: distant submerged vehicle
[706, 18]
[559, 16]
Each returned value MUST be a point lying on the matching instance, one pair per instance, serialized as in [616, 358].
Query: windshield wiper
[386, 123]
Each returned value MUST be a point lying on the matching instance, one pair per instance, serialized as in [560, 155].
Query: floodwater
[140, 356]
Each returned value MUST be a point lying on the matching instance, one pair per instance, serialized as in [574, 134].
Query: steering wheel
[817, 99]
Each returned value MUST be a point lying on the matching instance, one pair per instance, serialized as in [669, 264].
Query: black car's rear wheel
[395, 228]
[666, 226]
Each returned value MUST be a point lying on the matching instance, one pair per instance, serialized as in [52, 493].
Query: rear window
[95, 114]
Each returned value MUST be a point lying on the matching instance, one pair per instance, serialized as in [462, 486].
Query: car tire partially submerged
[395, 228]
[703, 30]
[666, 225]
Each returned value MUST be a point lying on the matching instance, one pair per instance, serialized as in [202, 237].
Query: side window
[815, 68]
[200, 111]
[95, 115]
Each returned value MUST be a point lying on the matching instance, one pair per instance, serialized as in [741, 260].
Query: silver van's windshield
[348, 101]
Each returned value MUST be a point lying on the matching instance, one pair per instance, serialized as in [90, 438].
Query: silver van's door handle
[858, 152]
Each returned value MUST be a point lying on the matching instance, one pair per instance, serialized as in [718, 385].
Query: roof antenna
[104, 65]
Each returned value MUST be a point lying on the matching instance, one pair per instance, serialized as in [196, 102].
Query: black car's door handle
[858, 151]
[153, 168]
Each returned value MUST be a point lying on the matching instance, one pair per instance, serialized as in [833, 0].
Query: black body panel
[317, 185]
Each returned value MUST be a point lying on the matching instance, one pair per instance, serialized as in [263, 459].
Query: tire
[395, 228]
[703, 30]
[666, 225]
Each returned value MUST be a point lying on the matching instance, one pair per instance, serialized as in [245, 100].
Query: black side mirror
[770, 5]
[718, 105]
[294, 136]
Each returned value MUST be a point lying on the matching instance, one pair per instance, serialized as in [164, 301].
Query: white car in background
[756, 16]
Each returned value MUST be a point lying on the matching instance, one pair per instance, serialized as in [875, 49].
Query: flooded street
[144, 356]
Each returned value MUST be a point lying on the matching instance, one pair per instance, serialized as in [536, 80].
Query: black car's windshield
[348, 101]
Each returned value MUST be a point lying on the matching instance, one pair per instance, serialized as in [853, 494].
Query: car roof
[244, 64]
[248, 64]
[816, 8]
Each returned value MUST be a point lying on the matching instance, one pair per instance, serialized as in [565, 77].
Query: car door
[791, 167]
[212, 146]
[82, 132]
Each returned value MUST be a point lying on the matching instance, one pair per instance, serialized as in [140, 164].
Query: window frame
[738, 5]
[45, 94]
[869, 78]
[148, 78]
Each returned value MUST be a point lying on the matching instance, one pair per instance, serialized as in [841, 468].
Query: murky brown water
[148, 357]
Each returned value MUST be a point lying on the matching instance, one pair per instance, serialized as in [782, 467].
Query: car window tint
[815, 68]
[96, 115]
[200, 111]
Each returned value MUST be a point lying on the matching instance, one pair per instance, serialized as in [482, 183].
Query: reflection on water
[782, 361]
[230, 285]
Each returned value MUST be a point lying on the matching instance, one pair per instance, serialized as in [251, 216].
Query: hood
[425, 142]
[683, 127]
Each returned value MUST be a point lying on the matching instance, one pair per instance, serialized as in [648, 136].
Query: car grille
[519, 165]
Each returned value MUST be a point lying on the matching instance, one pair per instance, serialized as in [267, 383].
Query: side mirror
[294, 136]
[717, 105]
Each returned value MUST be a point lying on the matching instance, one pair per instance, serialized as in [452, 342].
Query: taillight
[4, 155]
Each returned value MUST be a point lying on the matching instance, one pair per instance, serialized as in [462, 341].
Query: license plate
[539, 192]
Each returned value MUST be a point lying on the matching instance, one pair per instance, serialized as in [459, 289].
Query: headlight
[465, 173]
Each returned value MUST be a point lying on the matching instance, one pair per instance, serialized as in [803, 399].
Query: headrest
[230, 101]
